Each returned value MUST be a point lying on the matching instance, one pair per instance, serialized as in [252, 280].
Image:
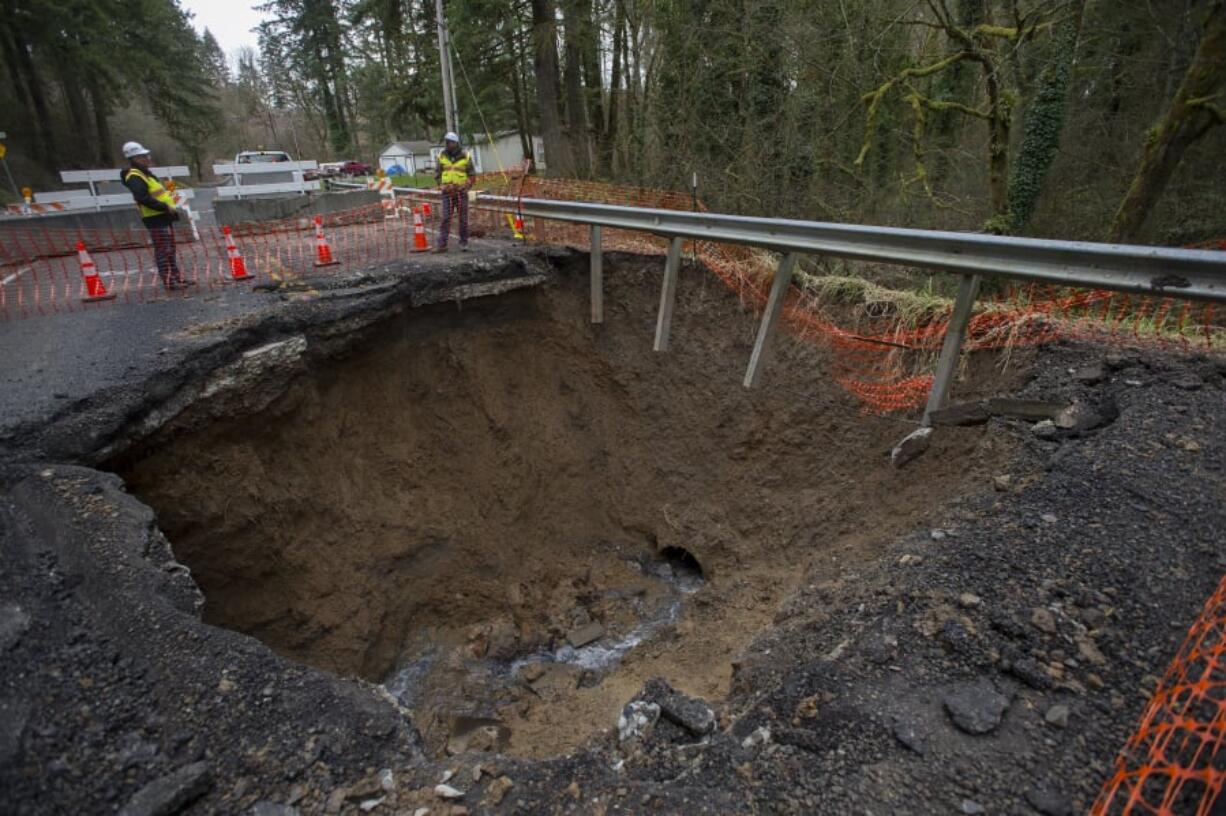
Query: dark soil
[921, 626]
[491, 479]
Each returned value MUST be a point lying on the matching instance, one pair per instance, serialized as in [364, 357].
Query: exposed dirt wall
[506, 462]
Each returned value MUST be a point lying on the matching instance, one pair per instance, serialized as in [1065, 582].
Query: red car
[355, 168]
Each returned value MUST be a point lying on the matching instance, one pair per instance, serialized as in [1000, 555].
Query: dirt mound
[472, 490]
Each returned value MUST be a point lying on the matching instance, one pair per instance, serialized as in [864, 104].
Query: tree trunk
[29, 85]
[102, 124]
[558, 155]
[998, 143]
[610, 126]
[1191, 115]
[593, 81]
[516, 81]
[1044, 122]
[576, 105]
[74, 100]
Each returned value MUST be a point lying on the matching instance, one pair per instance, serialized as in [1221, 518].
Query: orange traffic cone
[238, 267]
[323, 252]
[419, 232]
[95, 290]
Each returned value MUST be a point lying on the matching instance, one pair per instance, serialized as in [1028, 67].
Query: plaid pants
[453, 202]
[164, 254]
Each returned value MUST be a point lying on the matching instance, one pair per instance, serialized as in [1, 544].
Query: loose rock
[1090, 375]
[1030, 672]
[584, 635]
[497, 790]
[1049, 803]
[1088, 650]
[1057, 716]
[1043, 620]
[13, 624]
[636, 721]
[688, 712]
[447, 792]
[968, 600]
[975, 707]
[1045, 429]
[170, 793]
[913, 445]
[909, 735]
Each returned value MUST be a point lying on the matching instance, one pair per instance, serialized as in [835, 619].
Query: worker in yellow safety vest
[157, 211]
[455, 178]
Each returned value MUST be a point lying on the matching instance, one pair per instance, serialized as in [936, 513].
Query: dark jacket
[140, 192]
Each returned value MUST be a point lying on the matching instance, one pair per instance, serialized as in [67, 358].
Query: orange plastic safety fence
[882, 359]
[1175, 763]
[41, 271]
[876, 355]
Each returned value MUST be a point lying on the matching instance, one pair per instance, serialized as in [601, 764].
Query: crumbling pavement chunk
[690, 713]
[975, 707]
[168, 794]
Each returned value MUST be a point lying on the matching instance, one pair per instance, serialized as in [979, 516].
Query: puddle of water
[409, 683]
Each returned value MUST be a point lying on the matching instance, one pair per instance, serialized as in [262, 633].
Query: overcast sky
[230, 21]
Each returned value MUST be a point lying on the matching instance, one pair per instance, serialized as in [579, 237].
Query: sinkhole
[512, 518]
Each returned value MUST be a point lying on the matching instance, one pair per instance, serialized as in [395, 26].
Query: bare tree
[1193, 112]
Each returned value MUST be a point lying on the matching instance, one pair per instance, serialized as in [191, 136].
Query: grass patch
[910, 307]
[414, 180]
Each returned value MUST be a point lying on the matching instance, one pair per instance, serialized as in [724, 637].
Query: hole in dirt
[682, 563]
[513, 519]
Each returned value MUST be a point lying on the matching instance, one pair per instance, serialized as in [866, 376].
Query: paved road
[56, 365]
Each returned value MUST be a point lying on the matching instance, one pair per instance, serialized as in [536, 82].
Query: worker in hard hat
[455, 178]
[157, 212]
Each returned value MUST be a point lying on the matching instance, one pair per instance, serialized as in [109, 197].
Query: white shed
[504, 152]
[404, 154]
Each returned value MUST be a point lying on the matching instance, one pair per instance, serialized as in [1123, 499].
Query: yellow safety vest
[455, 171]
[156, 190]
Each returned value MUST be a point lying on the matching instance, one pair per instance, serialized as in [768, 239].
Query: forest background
[1083, 119]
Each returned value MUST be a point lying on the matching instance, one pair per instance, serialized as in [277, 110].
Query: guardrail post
[597, 277]
[968, 288]
[774, 307]
[668, 294]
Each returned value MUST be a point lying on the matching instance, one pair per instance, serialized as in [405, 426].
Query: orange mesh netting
[1173, 763]
[879, 356]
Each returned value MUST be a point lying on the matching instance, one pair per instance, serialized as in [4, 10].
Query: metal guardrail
[1184, 273]
[1155, 271]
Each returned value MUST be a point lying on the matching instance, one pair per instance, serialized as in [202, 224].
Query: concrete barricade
[231, 212]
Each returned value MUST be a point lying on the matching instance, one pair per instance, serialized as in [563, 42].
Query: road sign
[3, 151]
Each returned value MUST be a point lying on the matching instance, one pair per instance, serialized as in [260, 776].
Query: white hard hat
[452, 137]
[131, 149]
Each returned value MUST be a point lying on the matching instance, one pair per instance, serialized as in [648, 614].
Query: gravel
[111, 688]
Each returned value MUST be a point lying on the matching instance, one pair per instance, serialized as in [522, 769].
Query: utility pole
[450, 113]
